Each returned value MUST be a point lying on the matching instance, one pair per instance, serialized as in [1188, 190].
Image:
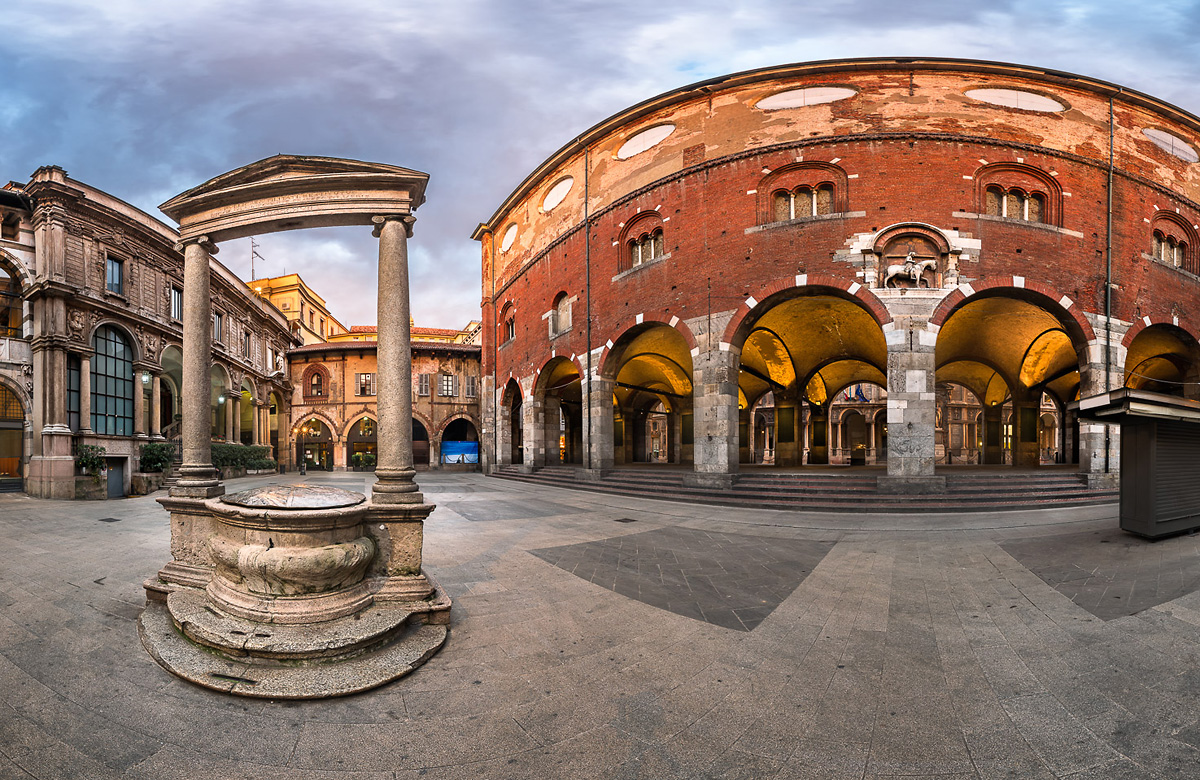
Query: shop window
[112, 383]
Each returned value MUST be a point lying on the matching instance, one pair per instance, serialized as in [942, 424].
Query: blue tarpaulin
[460, 452]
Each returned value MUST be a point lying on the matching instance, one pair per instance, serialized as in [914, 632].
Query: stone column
[715, 394]
[85, 394]
[139, 404]
[1025, 443]
[598, 440]
[237, 419]
[1099, 444]
[993, 435]
[255, 423]
[536, 432]
[156, 407]
[198, 478]
[395, 471]
[551, 409]
[911, 408]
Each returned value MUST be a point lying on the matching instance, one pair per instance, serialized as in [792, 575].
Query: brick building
[333, 403]
[929, 227]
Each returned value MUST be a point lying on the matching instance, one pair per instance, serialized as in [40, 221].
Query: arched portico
[804, 345]
[1009, 346]
[558, 419]
[647, 372]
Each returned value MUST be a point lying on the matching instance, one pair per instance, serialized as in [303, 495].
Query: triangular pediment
[284, 167]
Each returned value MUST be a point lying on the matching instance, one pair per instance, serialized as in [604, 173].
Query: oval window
[1172, 144]
[510, 236]
[808, 96]
[557, 193]
[1015, 98]
[644, 140]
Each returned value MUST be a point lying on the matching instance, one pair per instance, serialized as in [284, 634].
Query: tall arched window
[316, 384]
[112, 383]
[10, 306]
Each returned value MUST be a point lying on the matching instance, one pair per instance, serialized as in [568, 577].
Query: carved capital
[204, 242]
[407, 219]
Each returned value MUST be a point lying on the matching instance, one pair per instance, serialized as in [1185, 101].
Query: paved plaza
[601, 636]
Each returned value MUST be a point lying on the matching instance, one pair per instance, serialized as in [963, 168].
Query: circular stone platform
[295, 497]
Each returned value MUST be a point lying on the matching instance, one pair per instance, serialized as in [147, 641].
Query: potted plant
[89, 459]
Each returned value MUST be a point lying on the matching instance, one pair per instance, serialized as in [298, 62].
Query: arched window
[508, 323]
[560, 317]
[1169, 249]
[1014, 204]
[10, 306]
[646, 247]
[316, 384]
[112, 383]
[802, 202]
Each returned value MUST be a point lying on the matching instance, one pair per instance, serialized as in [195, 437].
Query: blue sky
[144, 102]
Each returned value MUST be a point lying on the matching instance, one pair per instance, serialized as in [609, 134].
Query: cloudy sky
[144, 99]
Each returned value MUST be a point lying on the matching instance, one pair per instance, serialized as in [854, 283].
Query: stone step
[1025, 492]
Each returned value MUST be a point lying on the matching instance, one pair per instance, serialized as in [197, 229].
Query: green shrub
[156, 456]
[90, 460]
[368, 459]
[238, 456]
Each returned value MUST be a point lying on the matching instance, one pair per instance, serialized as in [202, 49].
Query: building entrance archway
[650, 368]
[804, 345]
[1009, 347]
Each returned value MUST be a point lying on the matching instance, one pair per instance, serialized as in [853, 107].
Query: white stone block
[915, 380]
[895, 338]
[926, 339]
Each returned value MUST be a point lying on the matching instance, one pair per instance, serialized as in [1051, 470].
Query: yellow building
[304, 309]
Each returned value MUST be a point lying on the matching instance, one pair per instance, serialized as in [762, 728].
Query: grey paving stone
[729, 580]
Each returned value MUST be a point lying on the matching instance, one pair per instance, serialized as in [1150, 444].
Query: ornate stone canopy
[289, 192]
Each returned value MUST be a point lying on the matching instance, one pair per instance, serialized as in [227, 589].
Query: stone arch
[749, 310]
[354, 421]
[306, 381]
[628, 331]
[1142, 323]
[1019, 287]
[135, 346]
[326, 420]
[1164, 358]
[558, 393]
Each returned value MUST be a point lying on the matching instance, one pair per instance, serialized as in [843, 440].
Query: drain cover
[624, 520]
[110, 519]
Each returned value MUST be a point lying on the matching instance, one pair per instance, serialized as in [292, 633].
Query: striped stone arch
[637, 321]
[1141, 323]
[421, 418]
[838, 287]
[1047, 295]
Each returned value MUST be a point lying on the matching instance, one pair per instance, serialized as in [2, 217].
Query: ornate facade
[95, 358]
[334, 393]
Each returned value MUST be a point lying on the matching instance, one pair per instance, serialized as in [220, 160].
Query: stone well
[296, 602]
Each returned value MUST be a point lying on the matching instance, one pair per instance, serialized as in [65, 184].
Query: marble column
[85, 394]
[394, 468]
[237, 419]
[256, 424]
[139, 405]
[156, 407]
[198, 478]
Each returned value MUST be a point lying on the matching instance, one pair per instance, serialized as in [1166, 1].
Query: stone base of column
[911, 485]
[396, 487]
[700, 479]
[1102, 481]
[591, 475]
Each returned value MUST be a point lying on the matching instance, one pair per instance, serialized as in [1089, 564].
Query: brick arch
[354, 419]
[1025, 178]
[1141, 323]
[1046, 296]
[809, 173]
[329, 422]
[646, 219]
[306, 380]
[429, 426]
[441, 429]
[639, 321]
[833, 285]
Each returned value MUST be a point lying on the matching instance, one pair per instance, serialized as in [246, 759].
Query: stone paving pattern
[914, 646]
